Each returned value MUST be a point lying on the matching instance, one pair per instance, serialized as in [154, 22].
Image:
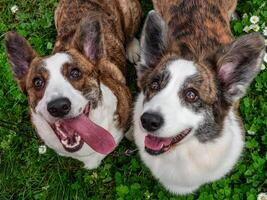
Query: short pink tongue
[95, 136]
[155, 143]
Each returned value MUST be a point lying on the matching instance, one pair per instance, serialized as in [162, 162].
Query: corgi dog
[191, 76]
[78, 98]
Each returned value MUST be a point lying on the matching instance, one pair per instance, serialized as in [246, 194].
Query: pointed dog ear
[20, 55]
[239, 64]
[88, 39]
[153, 42]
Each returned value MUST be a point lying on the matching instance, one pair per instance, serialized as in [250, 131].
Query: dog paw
[133, 51]
[92, 165]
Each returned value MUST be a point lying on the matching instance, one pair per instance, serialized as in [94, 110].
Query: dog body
[192, 74]
[79, 101]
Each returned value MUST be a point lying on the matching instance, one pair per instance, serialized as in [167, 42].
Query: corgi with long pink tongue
[79, 102]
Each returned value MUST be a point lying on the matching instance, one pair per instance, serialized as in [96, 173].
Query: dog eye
[38, 82]
[75, 74]
[191, 95]
[154, 86]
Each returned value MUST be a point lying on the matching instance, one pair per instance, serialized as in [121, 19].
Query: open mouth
[73, 133]
[156, 145]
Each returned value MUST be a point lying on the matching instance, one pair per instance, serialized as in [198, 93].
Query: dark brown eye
[38, 83]
[191, 95]
[155, 86]
[75, 74]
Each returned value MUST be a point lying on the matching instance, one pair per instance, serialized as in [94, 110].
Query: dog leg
[129, 134]
[133, 51]
[92, 161]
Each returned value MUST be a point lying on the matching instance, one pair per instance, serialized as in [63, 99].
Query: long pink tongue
[95, 136]
[156, 143]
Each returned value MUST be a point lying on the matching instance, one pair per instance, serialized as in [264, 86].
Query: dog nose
[59, 107]
[151, 121]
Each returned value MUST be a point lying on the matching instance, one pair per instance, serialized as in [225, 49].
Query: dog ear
[88, 39]
[153, 42]
[20, 55]
[239, 64]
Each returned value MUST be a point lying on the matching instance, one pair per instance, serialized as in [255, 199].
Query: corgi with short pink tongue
[79, 102]
[192, 75]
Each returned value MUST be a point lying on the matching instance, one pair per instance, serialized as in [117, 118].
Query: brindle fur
[198, 27]
[119, 21]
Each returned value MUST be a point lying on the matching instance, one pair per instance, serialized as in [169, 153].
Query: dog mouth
[157, 145]
[73, 133]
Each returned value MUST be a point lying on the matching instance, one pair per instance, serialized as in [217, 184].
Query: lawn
[27, 174]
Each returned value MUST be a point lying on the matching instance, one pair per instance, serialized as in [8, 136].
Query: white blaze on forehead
[179, 71]
[177, 117]
[57, 86]
[55, 62]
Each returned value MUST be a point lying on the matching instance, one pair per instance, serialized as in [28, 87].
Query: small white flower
[245, 15]
[254, 19]
[262, 196]
[251, 132]
[263, 67]
[265, 58]
[42, 149]
[254, 27]
[14, 9]
[246, 29]
[265, 31]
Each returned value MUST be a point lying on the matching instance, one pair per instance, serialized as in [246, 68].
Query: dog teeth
[57, 124]
[78, 138]
[65, 143]
[62, 134]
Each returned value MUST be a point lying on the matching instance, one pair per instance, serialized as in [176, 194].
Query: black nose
[151, 121]
[59, 107]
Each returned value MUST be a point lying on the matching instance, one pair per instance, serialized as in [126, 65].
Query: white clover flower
[251, 132]
[14, 9]
[254, 19]
[265, 58]
[263, 67]
[245, 15]
[42, 149]
[254, 27]
[262, 196]
[265, 31]
[246, 29]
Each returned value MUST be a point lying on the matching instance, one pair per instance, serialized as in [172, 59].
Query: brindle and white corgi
[78, 98]
[192, 75]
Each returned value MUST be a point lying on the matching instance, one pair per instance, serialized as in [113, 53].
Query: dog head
[181, 99]
[64, 87]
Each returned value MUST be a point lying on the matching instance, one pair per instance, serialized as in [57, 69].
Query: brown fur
[36, 70]
[119, 21]
[198, 27]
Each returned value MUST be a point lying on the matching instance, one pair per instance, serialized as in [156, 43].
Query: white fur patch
[189, 164]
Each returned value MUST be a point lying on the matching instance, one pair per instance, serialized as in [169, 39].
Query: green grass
[25, 174]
